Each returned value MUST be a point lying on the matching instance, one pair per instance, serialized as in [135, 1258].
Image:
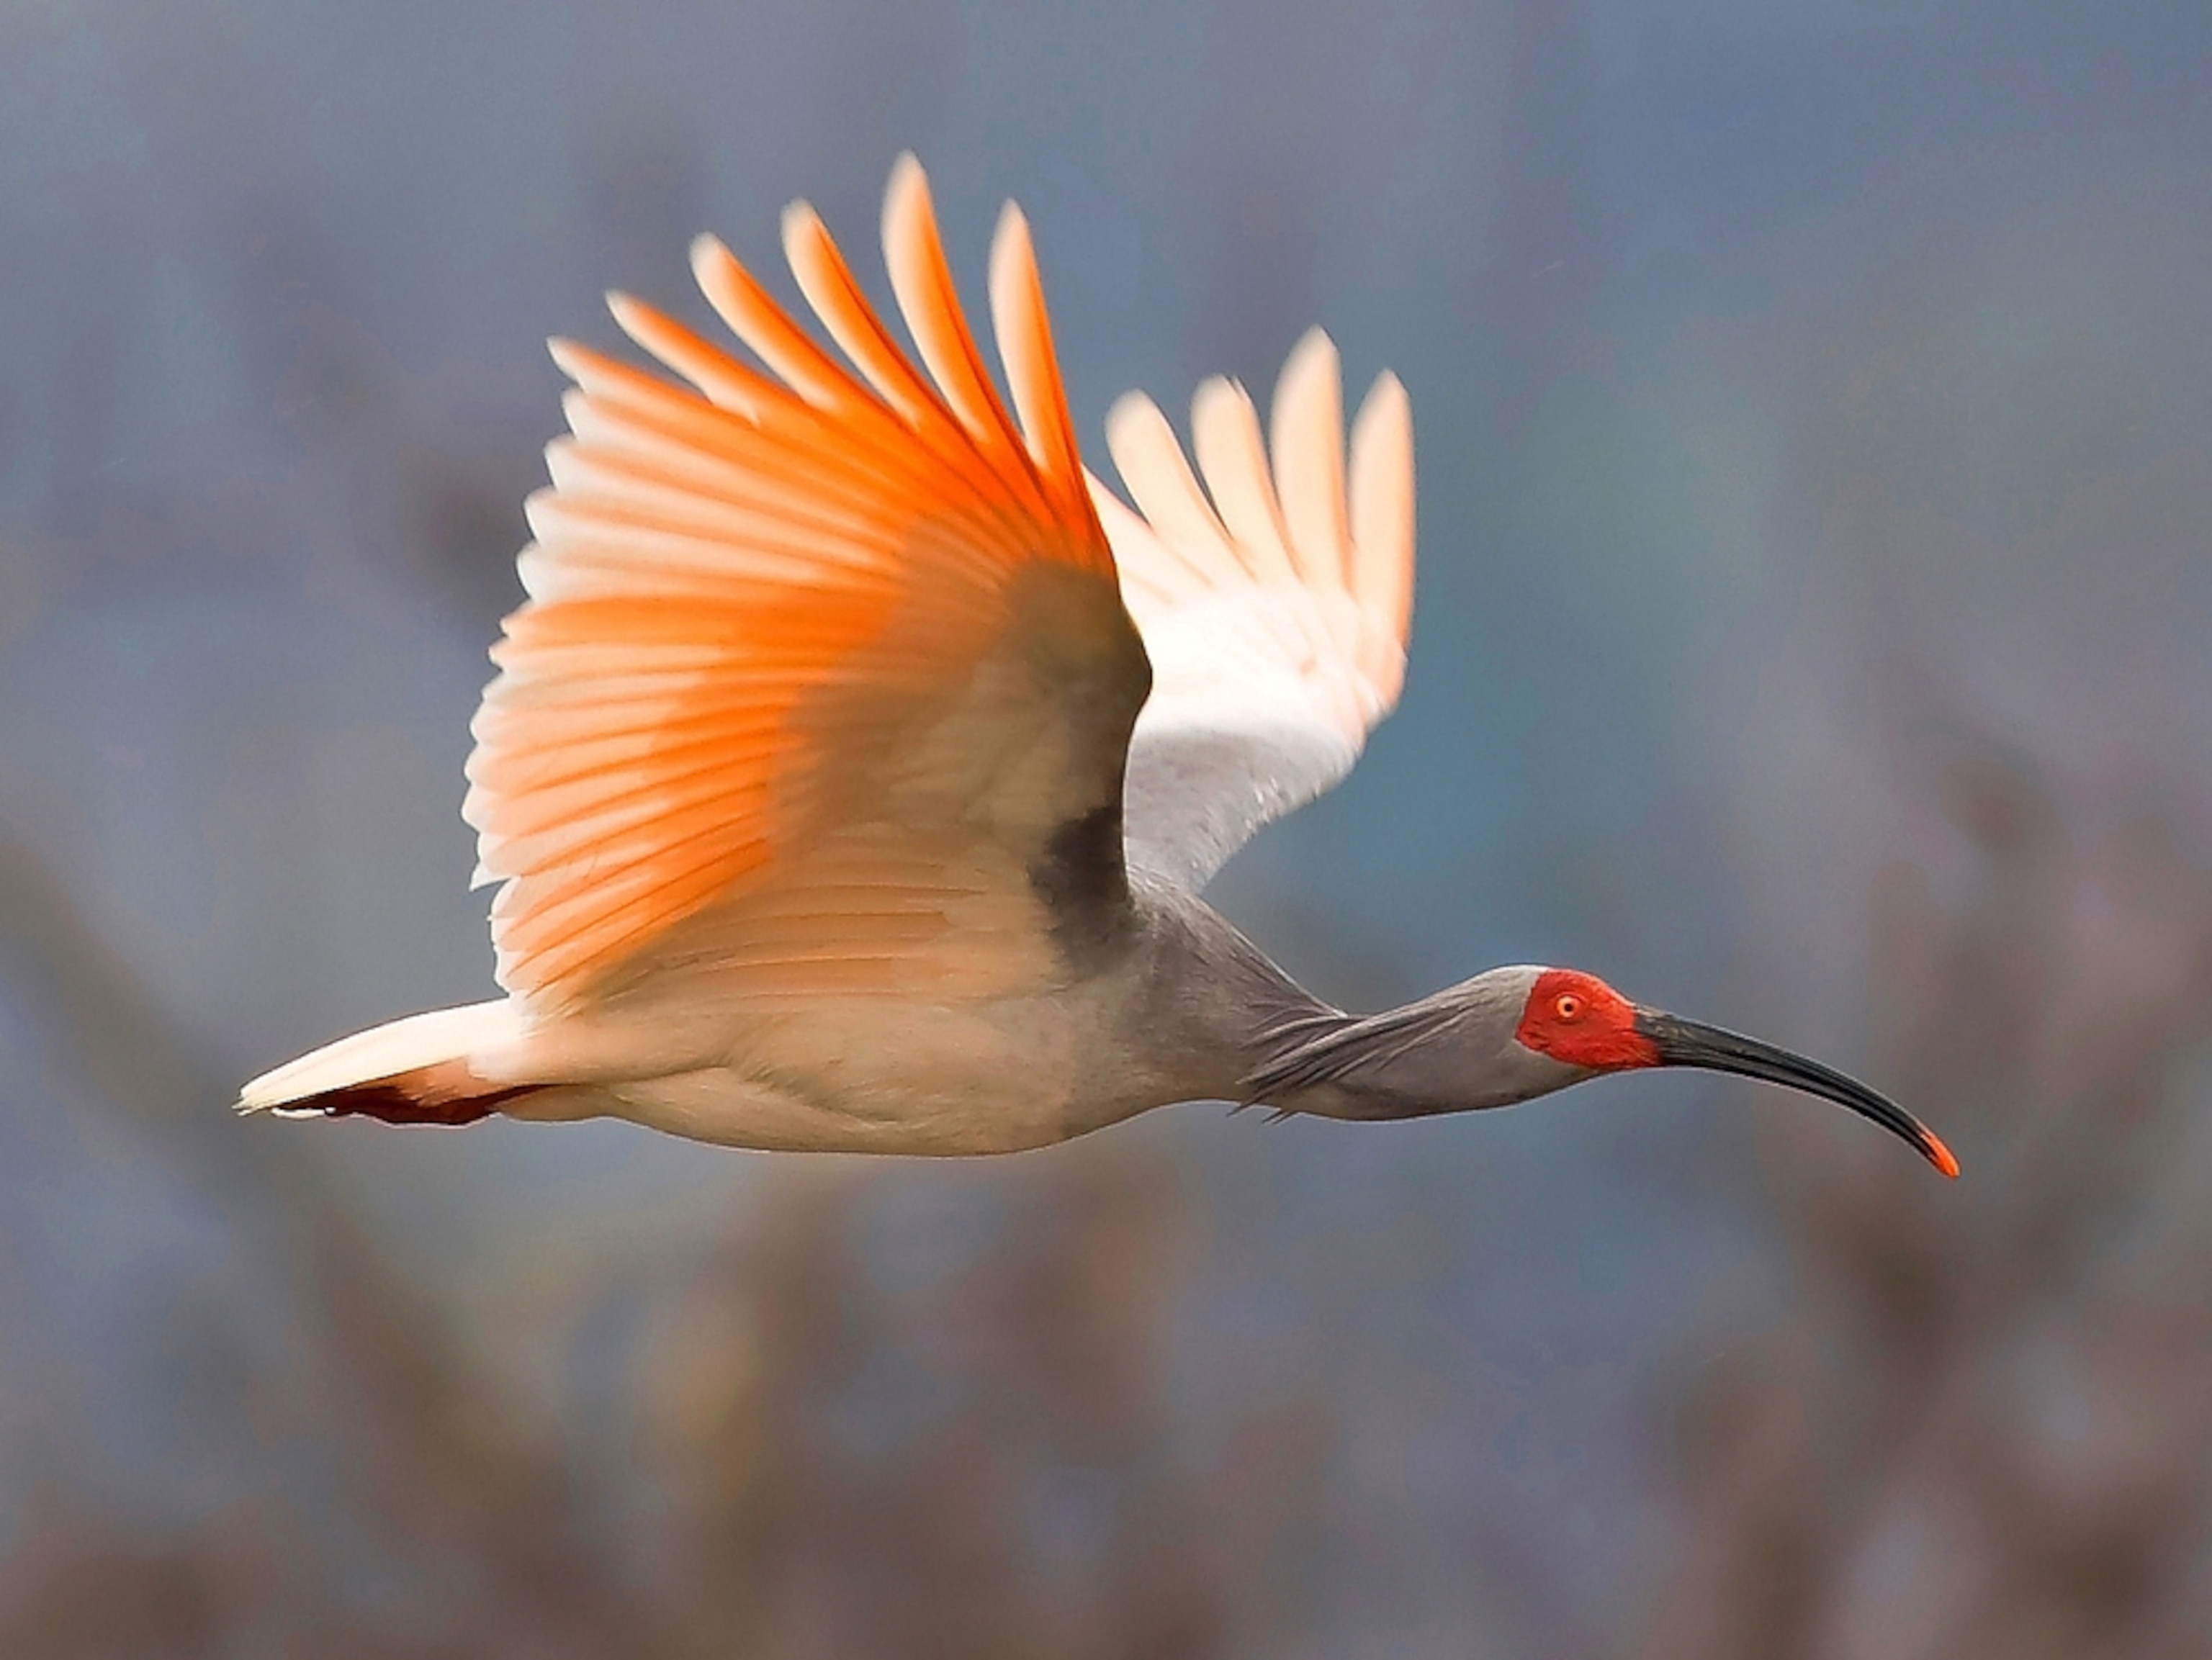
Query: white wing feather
[1273, 605]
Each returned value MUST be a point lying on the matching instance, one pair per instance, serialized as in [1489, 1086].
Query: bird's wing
[823, 681]
[1274, 613]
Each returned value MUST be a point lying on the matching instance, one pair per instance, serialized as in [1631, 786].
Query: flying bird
[857, 758]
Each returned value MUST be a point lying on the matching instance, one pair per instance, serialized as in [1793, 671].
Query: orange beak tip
[1941, 1157]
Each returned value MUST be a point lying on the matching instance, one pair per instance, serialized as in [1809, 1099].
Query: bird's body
[1179, 1006]
[857, 758]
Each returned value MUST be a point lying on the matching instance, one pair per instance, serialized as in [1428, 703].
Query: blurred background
[1814, 635]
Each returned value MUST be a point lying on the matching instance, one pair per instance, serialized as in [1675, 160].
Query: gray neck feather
[1224, 1022]
[1452, 1051]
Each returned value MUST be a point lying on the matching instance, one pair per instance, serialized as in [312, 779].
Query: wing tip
[1307, 413]
[1132, 407]
[908, 175]
[1023, 325]
[907, 207]
[713, 267]
[567, 353]
[1010, 234]
[1390, 391]
[799, 218]
[1314, 353]
[1383, 501]
[1211, 390]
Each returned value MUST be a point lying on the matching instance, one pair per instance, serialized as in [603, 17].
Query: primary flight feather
[856, 758]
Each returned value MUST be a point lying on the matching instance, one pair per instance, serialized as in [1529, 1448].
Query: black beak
[1692, 1043]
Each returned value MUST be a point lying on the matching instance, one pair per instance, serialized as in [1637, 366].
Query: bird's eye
[1568, 1006]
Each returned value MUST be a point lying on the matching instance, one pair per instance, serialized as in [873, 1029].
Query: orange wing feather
[775, 613]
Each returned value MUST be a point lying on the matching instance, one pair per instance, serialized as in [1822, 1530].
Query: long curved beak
[1692, 1043]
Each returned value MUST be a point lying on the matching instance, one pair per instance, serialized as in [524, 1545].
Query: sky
[1805, 395]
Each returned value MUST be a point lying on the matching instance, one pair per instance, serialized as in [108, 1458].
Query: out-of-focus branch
[1030, 1506]
[384, 1384]
[1988, 1432]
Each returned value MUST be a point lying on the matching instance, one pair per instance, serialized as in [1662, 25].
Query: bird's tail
[418, 1070]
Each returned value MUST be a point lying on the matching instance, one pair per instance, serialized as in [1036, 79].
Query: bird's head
[1578, 1020]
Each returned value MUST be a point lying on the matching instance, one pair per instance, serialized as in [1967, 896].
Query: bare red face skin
[1579, 1019]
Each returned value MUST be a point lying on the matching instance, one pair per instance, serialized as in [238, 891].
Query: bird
[856, 760]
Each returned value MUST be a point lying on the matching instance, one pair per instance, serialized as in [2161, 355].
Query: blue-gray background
[1814, 633]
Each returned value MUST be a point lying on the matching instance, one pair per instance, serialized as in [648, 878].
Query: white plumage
[1274, 613]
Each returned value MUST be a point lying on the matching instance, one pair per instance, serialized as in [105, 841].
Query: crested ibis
[857, 757]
